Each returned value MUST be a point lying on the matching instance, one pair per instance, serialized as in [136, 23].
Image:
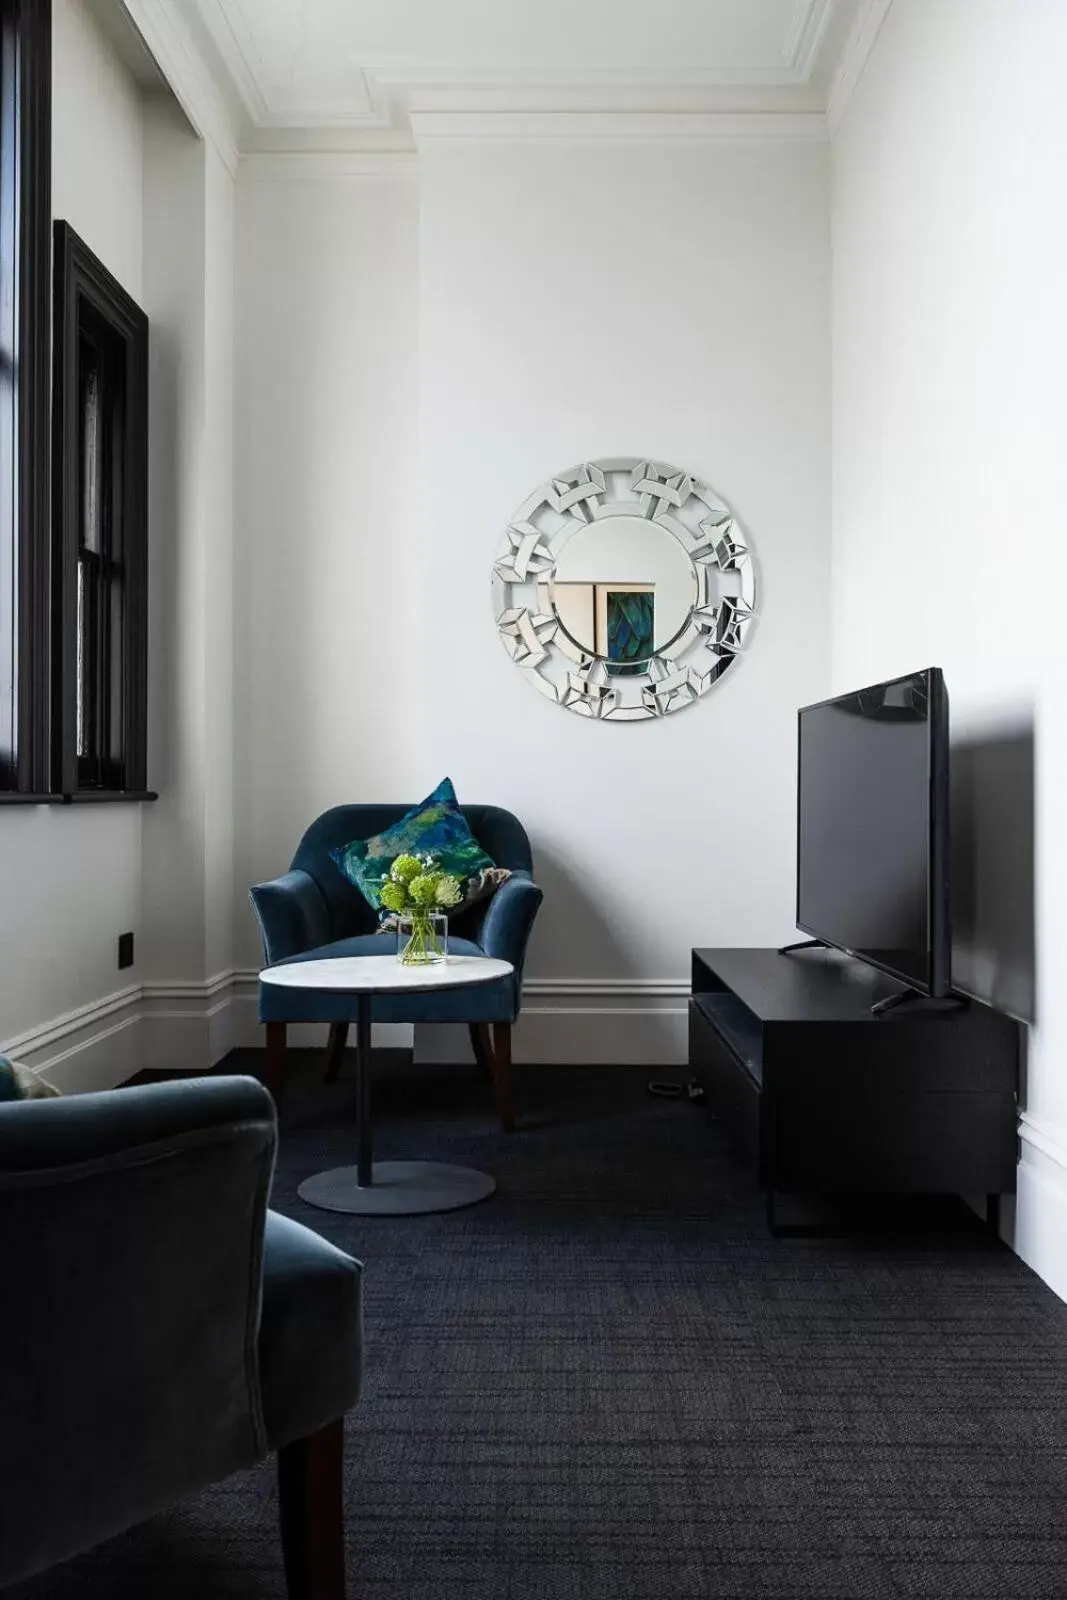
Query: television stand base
[803, 944]
[834, 1224]
[907, 997]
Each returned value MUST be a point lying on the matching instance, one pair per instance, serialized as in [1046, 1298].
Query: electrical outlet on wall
[125, 950]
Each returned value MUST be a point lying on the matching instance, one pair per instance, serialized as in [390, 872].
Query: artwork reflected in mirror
[629, 621]
[615, 621]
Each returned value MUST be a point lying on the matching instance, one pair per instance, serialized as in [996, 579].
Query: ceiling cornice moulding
[209, 53]
[683, 126]
[235, 42]
[303, 165]
[854, 58]
[167, 36]
[807, 31]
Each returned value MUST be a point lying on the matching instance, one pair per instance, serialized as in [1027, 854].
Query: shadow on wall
[574, 936]
[992, 800]
[579, 1006]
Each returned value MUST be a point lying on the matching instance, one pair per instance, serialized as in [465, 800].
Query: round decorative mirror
[624, 589]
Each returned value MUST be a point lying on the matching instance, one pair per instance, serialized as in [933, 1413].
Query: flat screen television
[872, 827]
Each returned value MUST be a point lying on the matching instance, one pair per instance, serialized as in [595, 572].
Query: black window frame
[91, 304]
[25, 407]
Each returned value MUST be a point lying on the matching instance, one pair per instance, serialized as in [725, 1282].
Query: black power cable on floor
[666, 1089]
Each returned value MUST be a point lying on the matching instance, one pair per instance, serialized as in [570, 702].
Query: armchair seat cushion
[484, 1002]
[310, 1332]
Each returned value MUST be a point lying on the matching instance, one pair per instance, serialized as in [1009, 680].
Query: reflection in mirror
[623, 589]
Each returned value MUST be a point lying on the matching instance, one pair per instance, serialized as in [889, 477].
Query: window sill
[13, 798]
[81, 798]
[108, 796]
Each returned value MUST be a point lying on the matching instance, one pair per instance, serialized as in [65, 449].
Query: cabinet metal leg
[795, 1230]
[992, 1214]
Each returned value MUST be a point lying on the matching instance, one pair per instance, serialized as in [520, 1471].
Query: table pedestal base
[398, 1189]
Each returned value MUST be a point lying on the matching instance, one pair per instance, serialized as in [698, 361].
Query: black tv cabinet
[825, 1097]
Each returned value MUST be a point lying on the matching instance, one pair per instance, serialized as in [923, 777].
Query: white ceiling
[356, 70]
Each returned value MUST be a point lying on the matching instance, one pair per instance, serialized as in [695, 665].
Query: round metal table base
[400, 1189]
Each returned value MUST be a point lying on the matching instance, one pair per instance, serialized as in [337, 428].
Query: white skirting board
[1035, 1225]
[191, 1025]
[584, 1022]
[95, 1046]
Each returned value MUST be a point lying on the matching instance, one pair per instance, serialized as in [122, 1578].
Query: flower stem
[423, 946]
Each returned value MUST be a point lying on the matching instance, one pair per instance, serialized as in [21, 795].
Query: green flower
[423, 889]
[449, 892]
[394, 895]
[405, 868]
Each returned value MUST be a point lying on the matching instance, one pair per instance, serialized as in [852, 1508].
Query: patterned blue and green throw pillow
[22, 1083]
[436, 827]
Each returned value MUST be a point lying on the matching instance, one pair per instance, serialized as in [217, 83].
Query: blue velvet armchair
[163, 1328]
[313, 912]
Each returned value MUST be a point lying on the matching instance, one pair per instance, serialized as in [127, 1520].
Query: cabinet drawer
[896, 1143]
[733, 1095]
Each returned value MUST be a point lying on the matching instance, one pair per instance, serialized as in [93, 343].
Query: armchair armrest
[508, 919]
[133, 1226]
[292, 916]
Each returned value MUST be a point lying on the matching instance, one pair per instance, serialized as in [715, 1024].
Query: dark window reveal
[25, 303]
[100, 432]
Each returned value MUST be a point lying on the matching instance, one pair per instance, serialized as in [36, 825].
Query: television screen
[872, 821]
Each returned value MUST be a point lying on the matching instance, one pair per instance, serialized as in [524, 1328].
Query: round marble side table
[387, 1188]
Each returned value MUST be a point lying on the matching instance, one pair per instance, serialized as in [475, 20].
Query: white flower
[449, 892]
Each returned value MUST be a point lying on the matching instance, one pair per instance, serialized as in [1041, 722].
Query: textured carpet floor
[609, 1383]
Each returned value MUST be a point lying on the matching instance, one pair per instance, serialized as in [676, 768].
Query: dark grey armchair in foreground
[162, 1328]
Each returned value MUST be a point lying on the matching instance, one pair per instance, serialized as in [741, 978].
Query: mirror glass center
[623, 588]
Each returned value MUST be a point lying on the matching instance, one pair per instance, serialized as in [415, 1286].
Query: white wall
[71, 877]
[188, 833]
[685, 316]
[328, 680]
[591, 299]
[97, 143]
[219, 722]
[950, 473]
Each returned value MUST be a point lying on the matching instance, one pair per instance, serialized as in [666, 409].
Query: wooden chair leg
[335, 1050]
[311, 1506]
[500, 1066]
[482, 1045]
[274, 1066]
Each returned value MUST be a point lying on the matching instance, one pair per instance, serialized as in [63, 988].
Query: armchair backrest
[500, 834]
[131, 1240]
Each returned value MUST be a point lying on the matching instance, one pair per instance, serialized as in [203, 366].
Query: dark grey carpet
[608, 1382]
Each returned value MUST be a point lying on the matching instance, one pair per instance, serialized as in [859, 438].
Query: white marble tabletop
[384, 974]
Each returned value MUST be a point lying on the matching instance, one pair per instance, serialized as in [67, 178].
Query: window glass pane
[91, 444]
[8, 486]
[81, 732]
[116, 728]
[88, 665]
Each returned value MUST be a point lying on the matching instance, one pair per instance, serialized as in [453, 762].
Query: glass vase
[422, 938]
